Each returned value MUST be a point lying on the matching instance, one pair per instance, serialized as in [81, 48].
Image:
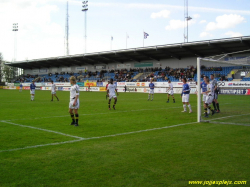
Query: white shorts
[204, 97]
[32, 92]
[53, 93]
[185, 98]
[21, 88]
[151, 91]
[72, 102]
[209, 99]
[171, 92]
[112, 96]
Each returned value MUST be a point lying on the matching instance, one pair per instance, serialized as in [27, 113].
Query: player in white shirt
[209, 97]
[111, 92]
[53, 91]
[74, 103]
[170, 91]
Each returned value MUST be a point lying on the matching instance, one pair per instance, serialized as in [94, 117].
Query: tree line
[6, 72]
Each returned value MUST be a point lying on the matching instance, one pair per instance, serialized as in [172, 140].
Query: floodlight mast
[67, 30]
[85, 9]
[15, 30]
[187, 18]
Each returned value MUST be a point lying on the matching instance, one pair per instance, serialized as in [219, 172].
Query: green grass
[158, 157]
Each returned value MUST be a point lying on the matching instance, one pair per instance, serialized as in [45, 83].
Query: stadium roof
[177, 51]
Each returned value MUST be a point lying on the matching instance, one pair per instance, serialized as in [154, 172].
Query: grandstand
[167, 62]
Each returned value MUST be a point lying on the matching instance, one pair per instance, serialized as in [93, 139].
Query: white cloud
[225, 21]
[203, 21]
[177, 24]
[165, 6]
[233, 34]
[161, 14]
[38, 35]
[195, 16]
[205, 34]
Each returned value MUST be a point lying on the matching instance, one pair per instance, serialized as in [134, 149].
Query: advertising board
[235, 91]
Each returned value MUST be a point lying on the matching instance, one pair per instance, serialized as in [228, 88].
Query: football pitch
[141, 143]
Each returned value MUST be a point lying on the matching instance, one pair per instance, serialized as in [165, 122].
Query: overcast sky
[42, 24]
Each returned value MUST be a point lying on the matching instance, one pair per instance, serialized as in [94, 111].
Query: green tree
[1, 67]
[6, 72]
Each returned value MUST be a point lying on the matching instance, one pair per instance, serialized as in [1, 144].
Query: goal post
[199, 90]
[233, 94]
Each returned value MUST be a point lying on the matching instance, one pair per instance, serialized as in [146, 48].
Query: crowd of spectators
[204, 68]
[177, 73]
[126, 74]
[24, 78]
[123, 75]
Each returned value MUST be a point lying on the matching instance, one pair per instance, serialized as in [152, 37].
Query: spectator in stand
[233, 72]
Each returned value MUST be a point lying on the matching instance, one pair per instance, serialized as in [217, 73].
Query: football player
[32, 90]
[170, 91]
[151, 90]
[74, 103]
[53, 91]
[185, 96]
[111, 93]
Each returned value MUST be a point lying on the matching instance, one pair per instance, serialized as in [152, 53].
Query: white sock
[189, 106]
[208, 111]
[152, 97]
[148, 96]
[185, 107]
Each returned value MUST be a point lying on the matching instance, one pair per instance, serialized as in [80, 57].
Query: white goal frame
[216, 58]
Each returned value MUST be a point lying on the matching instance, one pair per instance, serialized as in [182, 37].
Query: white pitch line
[136, 132]
[125, 111]
[229, 116]
[42, 145]
[214, 122]
[103, 113]
[107, 136]
[31, 127]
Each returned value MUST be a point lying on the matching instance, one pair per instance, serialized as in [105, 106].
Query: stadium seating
[161, 75]
[246, 79]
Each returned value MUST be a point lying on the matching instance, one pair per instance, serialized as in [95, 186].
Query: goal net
[223, 88]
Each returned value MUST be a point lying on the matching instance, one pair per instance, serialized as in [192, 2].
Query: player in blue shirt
[185, 96]
[32, 90]
[21, 87]
[151, 90]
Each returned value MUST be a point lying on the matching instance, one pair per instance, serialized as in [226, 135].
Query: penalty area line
[42, 145]
[98, 137]
[140, 131]
[46, 130]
